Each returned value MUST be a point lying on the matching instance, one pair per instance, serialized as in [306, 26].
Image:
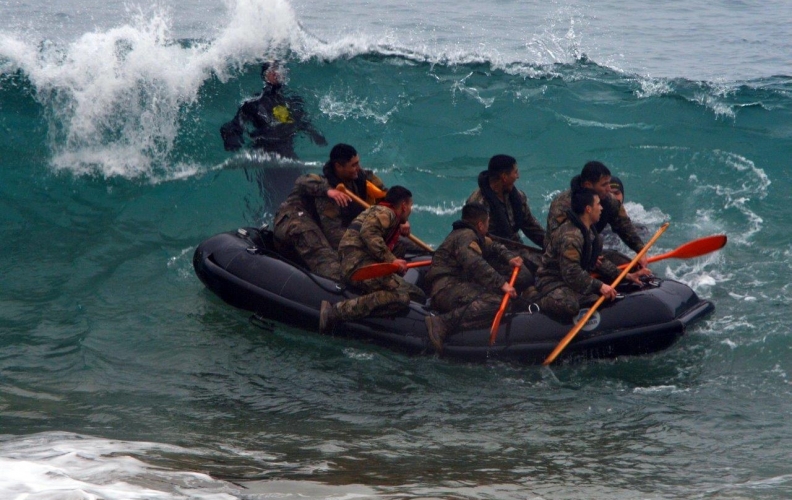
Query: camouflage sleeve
[577, 278]
[470, 256]
[556, 215]
[330, 219]
[529, 225]
[312, 185]
[608, 270]
[498, 250]
[623, 226]
[373, 232]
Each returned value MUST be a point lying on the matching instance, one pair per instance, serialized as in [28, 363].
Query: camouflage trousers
[301, 236]
[564, 303]
[464, 306]
[386, 296]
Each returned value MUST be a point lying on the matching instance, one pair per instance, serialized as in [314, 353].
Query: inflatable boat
[244, 270]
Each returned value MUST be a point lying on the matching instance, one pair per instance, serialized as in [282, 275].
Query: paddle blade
[691, 249]
[697, 248]
[374, 271]
[383, 269]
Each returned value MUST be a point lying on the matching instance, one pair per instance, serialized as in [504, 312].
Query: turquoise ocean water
[121, 377]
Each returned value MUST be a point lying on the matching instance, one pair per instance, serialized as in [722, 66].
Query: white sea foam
[60, 465]
[114, 98]
[63, 465]
[347, 105]
[449, 208]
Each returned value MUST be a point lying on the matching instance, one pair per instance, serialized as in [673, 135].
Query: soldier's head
[586, 205]
[345, 162]
[595, 175]
[399, 198]
[273, 73]
[477, 215]
[617, 188]
[502, 171]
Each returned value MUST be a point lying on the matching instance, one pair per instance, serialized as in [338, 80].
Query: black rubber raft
[243, 269]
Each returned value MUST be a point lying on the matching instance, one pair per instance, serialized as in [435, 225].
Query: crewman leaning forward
[309, 224]
[373, 237]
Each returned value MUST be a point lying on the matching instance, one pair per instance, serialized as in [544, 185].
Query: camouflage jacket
[309, 195]
[335, 219]
[464, 256]
[306, 189]
[613, 214]
[529, 225]
[562, 262]
[365, 240]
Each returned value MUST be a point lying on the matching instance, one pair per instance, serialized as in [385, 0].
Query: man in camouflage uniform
[597, 177]
[509, 210]
[344, 168]
[564, 281]
[310, 223]
[372, 238]
[464, 286]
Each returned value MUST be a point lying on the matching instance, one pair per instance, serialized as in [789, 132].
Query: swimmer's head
[273, 73]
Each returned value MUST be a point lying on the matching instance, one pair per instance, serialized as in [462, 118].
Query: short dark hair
[501, 163]
[582, 198]
[474, 212]
[342, 153]
[397, 194]
[593, 171]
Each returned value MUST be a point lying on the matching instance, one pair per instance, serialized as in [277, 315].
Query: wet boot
[436, 328]
[327, 317]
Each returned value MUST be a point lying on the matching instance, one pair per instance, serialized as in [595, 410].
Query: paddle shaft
[571, 335]
[364, 204]
[516, 244]
[504, 302]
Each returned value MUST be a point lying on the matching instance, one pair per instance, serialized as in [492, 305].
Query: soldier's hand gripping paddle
[504, 303]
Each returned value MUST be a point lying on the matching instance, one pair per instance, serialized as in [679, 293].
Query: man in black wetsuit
[271, 120]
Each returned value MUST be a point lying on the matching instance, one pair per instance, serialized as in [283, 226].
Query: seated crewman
[464, 285]
[597, 177]
[564, 281]
[313, 218]
[371, 238]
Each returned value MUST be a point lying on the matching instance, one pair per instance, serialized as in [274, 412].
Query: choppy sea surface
[122, 377]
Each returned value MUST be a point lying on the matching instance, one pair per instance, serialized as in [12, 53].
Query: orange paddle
[692, 249]
[504, 302]
[383, 269]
